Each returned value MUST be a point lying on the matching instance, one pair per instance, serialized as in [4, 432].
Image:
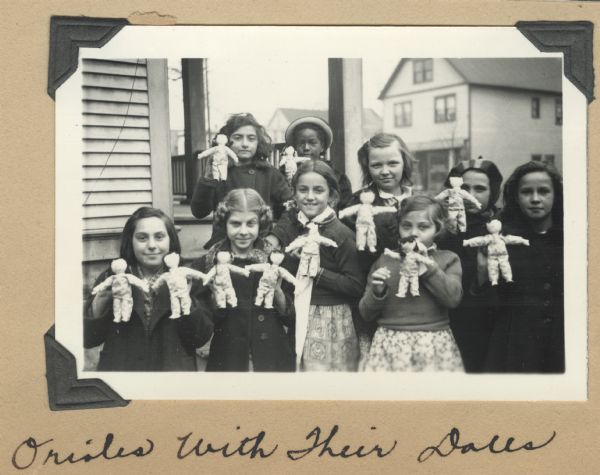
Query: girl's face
[242, 231]
[312, 194]
[244, 142]
[478, 184]
[150, 243]
[535, 196]
[386, 168]
[417, 224]
[308, 144]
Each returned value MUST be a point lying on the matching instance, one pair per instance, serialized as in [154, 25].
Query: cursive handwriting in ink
[451, 442]
[27, 451]
[325, 445]
[248, 446]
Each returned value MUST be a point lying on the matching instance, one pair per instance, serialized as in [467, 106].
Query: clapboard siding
[117, 176]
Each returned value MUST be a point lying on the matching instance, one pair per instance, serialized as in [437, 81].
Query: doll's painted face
[150, 243]
[535, 196]
[419, 225]
[478, 184]
[242, 231]
[244, 143]
[386, 168]
[308, 143]
[312, 194]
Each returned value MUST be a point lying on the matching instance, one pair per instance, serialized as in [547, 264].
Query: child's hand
[378, 278]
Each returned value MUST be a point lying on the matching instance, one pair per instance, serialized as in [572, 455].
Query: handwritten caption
[318, 443]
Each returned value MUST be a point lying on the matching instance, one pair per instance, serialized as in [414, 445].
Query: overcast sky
[262, 85]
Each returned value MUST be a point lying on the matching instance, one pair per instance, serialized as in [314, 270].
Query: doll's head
[422, 218]
[247, 138]
[311, 137]
[386, 161]
[367, 197]
[289, 151]
[482, 179]
[276, 257]
[172, 260]
[118, 266]
[494, 226]
[221, 139]
[315, 187]
[244, 216]
[533, 196]
[147, 237]
[455, 181]
[408, 244]
[223, 257]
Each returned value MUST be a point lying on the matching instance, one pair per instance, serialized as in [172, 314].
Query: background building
[508, 110]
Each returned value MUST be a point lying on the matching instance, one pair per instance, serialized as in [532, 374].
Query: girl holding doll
[252, 146]
[413, 331]
[528, 332]
[149, 340]
[471, 322]
[246, 337]
[326, 337]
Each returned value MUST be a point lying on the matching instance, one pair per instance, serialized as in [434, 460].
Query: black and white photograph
[282, 213]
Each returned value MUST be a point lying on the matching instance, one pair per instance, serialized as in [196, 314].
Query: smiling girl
[150, 340]
[247, 337]
[528, 333]
[252, 145]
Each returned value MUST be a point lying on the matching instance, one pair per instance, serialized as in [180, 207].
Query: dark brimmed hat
[309, 121]
[486, 167]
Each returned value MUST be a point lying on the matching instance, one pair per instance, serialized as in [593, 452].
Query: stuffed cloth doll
[309, 244]
[220, 154]
[220, 277]
[410, 260]
[272, 273]
[457, 219]
[120, 284]
[497, 255]
[365, 226]
[176, 279]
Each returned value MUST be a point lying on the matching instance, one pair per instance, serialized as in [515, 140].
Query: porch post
[194, 107]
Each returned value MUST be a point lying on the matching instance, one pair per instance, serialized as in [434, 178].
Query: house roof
[370, 117]
[537, 74]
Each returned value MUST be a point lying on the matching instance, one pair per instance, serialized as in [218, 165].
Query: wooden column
[194, 109]
[345, 115]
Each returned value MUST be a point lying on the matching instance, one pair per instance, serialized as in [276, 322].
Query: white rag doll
[220, 154]
[176, 279]
[497, 254]
[365, 226]
[310, 260]
[457, 219]
[120, 284]
[220, 277]
[410, 260]
[289, 161]
[272, 274]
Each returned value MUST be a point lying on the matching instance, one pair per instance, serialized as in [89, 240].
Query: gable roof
[370, 117]
[534, 74]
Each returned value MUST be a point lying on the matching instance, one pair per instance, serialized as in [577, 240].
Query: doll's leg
[313, 268]
[231, 297]
[303, 266]
[505, 268]
[117, 309]
[372, 239]
[260, 296]
[461, 221]
[361, 236]
[223, 170]
[126, 309]
[186, 304]
[414, 285]
[402, 287]
[452, 221]
[493, 270]
[220, 298]
[175, 307]
[270, 294]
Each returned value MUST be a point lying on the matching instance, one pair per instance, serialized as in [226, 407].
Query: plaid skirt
[331, 343]
[396, 350]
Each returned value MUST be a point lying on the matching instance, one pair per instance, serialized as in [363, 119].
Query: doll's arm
[208, 152]
[239, 270]
[394, 254]
[469, 197]
[443, 195]
[296, 243]
[423, 260]
[103, 286]
[476, 241]
[285, 275]
[231, 154]
[158, 282]
[349, 211]
[257, 267]
[510, 239]
[137, 282]
[384, 209]
[193, 273]
[326, 241]
[209, 276]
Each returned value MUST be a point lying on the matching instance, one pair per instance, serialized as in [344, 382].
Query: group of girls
[346, 316]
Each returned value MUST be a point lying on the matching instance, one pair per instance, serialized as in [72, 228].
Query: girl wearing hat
[471, 322]
[311, 137]
[252, 145]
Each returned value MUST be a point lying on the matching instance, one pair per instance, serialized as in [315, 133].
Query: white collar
[405, 194]
[317, 219]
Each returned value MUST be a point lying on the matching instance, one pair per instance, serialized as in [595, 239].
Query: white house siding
[504, 131]
[277, 127]
[443, 75]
